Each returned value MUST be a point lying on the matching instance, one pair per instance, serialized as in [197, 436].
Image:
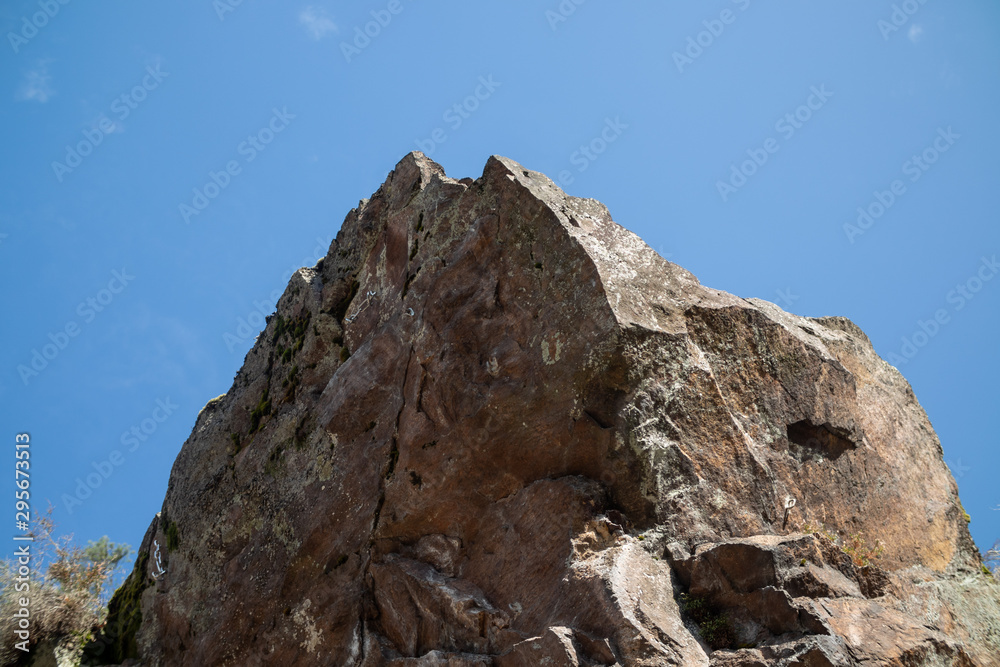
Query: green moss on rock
[116, 642]
[173, 538]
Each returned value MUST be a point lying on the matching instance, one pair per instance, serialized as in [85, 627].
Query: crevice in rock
[496, 296]
[406, 285]
[369, 605]
[340, 309]
[420, 390]
[598, 419]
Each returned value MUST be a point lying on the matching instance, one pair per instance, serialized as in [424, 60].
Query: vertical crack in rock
[595, 460]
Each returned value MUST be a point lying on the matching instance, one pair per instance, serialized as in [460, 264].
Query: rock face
[493, 427]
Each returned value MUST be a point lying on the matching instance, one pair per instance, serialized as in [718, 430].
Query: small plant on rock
[862, 555]
[856, 546]
[714, 626]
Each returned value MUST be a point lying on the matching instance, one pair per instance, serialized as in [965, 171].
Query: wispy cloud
[316, 22]
[915, 33]
[36, 86]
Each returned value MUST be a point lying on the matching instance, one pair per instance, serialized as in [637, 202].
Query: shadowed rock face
[493, 427]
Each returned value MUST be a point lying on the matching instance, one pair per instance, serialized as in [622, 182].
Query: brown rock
[494, 427]
[555, 647]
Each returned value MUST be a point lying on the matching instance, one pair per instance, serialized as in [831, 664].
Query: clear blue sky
[139, 103]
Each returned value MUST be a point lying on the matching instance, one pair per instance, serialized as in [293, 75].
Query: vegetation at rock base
[67, 600]
[116, 642]
[714, 626]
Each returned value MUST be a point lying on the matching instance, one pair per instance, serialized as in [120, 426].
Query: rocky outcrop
[493, 427]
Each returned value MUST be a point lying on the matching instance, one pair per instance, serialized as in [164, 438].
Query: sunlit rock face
[493, 427]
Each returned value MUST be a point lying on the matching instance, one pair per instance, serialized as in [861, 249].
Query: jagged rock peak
[493, 427]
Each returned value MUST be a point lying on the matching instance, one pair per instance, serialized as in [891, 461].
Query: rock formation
[493, 427]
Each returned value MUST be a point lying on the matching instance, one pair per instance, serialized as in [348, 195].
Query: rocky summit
[493, 427]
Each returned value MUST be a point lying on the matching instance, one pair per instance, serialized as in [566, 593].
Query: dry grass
[67, 601]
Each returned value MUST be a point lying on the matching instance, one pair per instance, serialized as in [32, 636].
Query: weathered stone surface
[776, 590]
[494, 427]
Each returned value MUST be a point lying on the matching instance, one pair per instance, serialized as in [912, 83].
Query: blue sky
[167, 166]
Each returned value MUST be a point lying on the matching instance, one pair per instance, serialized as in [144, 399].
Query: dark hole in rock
[825, 440]
[601, 420]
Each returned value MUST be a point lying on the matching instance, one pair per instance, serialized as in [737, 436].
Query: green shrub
[713, 625]
[262, 410]
[67, 600]
[296, 329]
